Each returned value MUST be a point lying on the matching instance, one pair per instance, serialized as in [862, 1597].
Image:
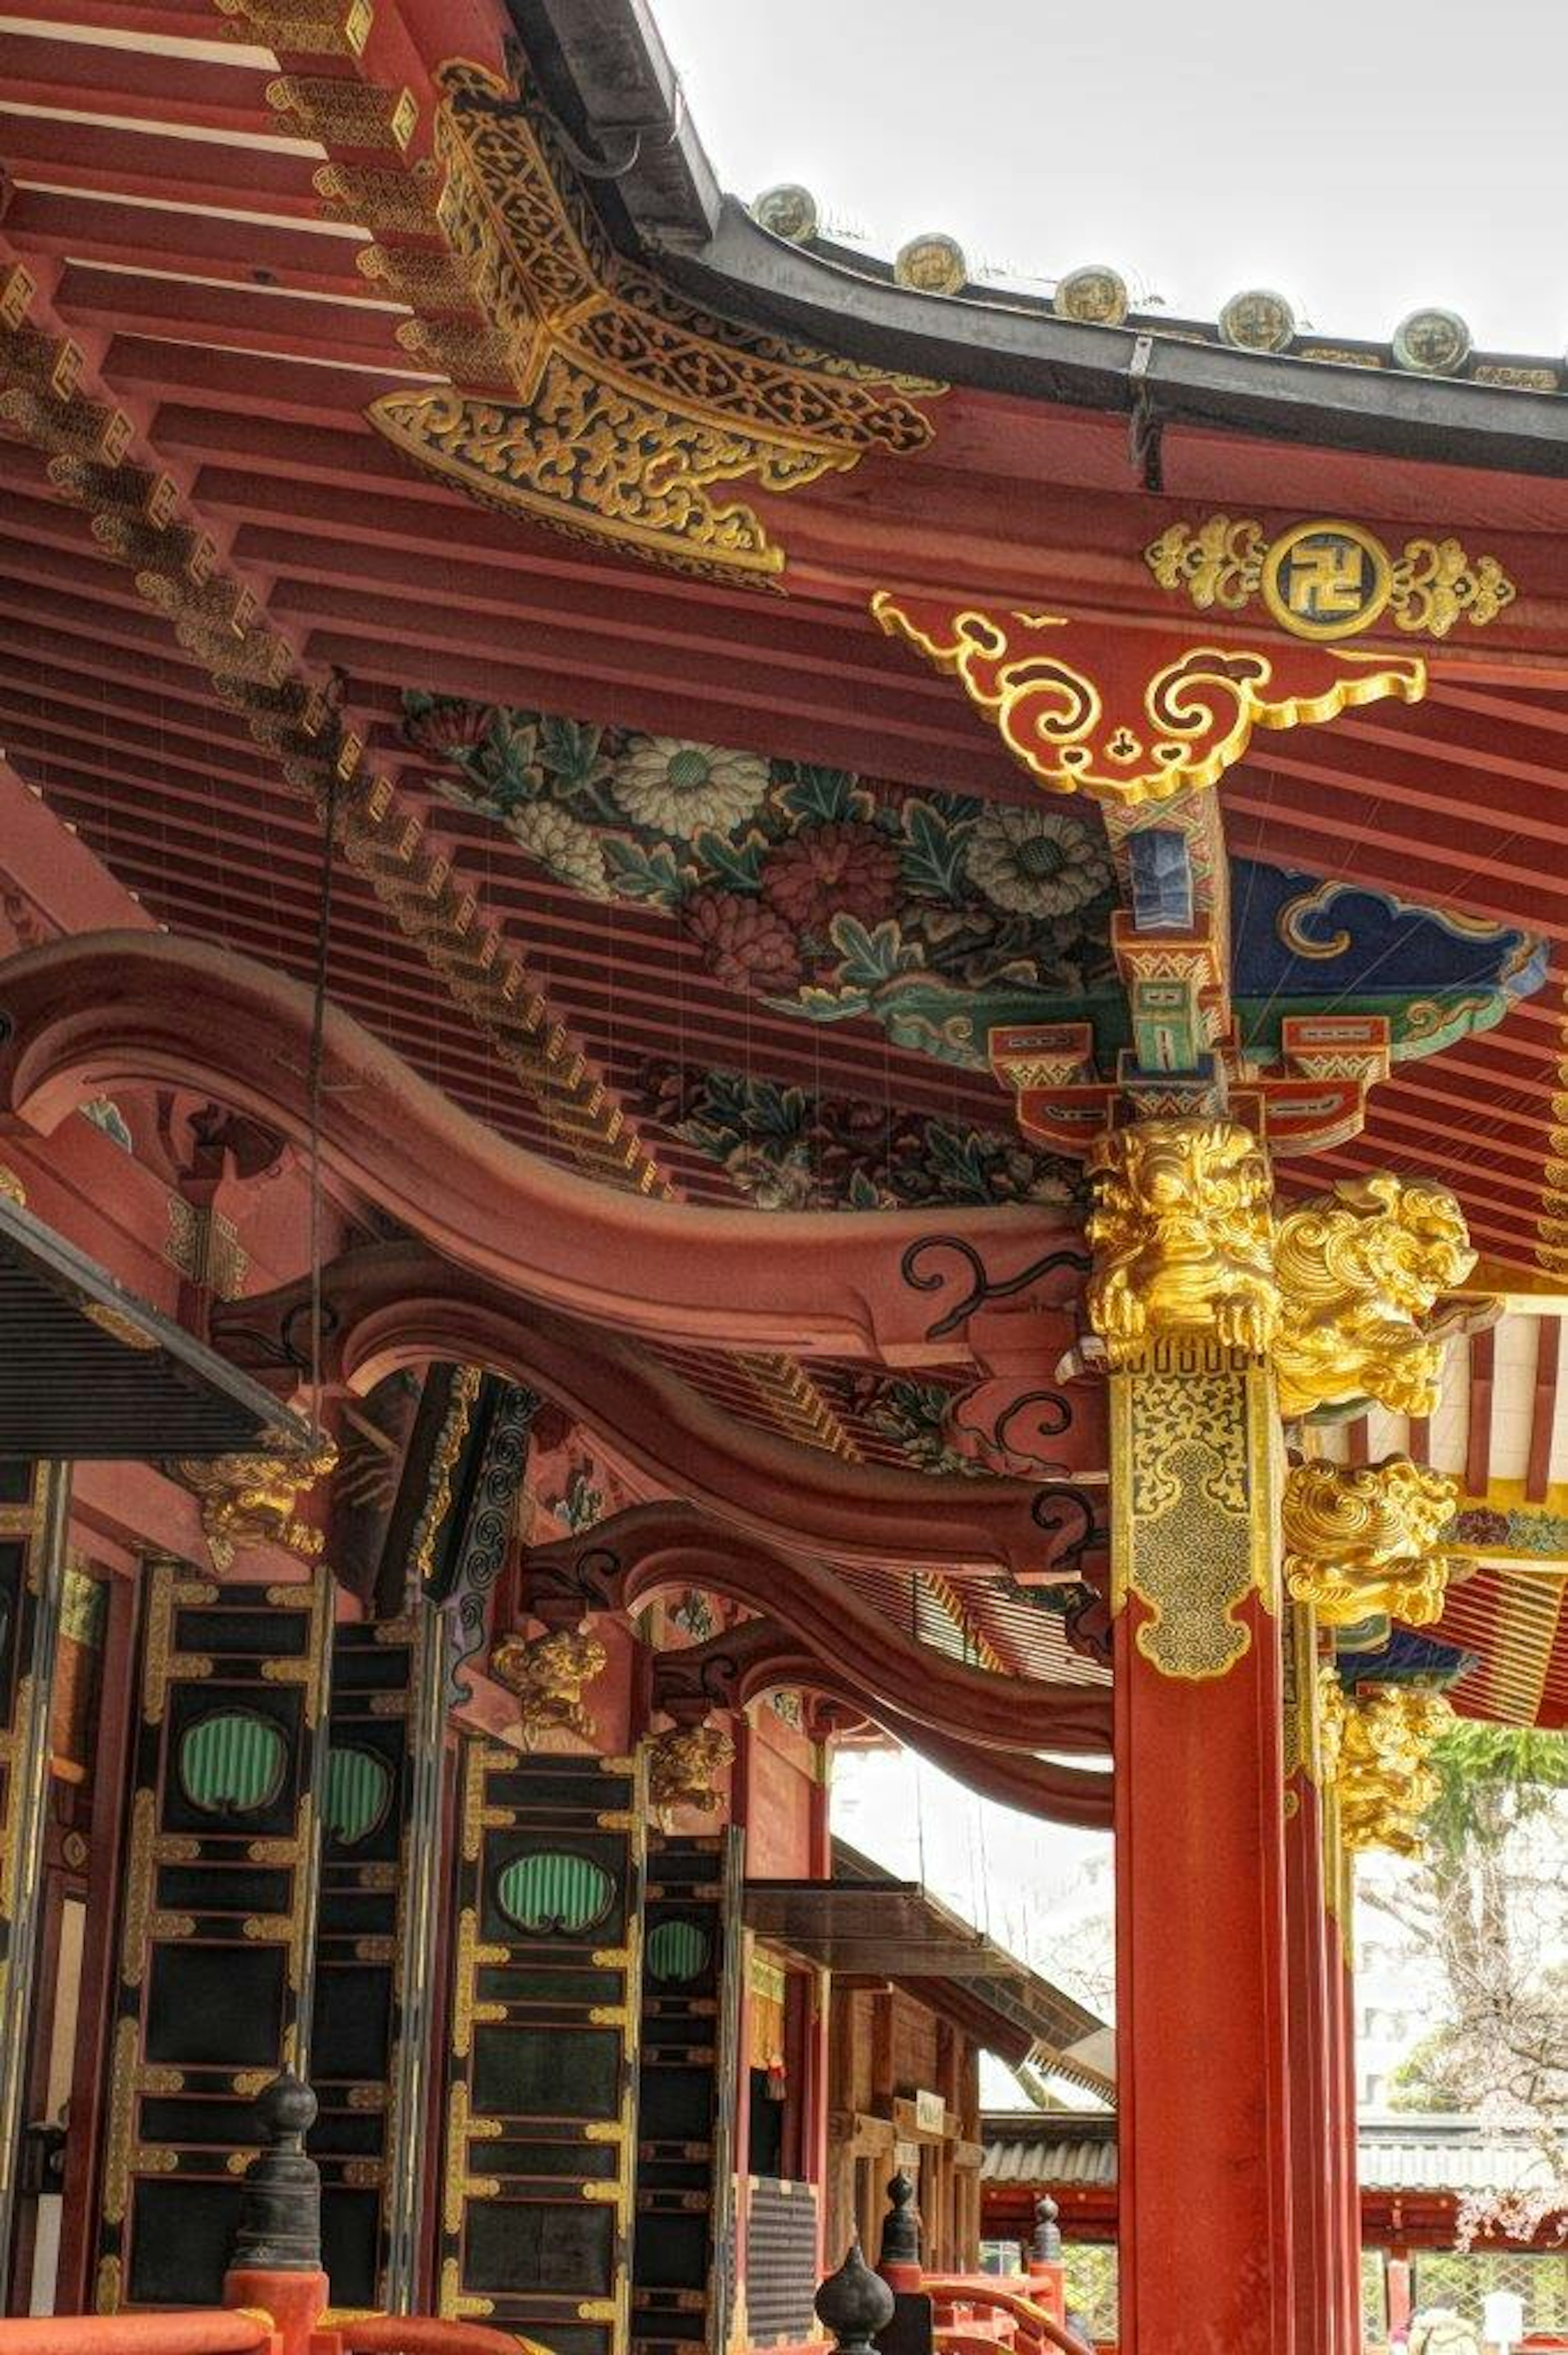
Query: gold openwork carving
[613, 408]
[1363, 1537]
[1376, 1743]
[1360, 1271]
[548, 1674]
[685, 1766]
[1127, 715]
[1326, 579]
[1182, 1236]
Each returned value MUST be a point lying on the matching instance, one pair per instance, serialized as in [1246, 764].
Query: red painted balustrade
[976, 2313]
[222, 2332]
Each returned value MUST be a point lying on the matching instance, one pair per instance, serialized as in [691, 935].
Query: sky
[1365, 161]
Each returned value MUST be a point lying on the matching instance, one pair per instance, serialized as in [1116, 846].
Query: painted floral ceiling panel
[746, 927]
[823, 894]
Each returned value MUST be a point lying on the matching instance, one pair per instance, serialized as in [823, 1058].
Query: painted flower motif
[744, 944]
[684, 789]
[841, 868]
[773, 1180]
[1035, 862]
[563, 845]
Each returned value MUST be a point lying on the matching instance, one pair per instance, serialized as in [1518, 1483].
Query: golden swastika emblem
[1326, 581]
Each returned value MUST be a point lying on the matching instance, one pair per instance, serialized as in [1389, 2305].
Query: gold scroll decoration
[1133, 716]
[1363, 1537]
[1326, 580]
[611, 407]
[1192, 1440]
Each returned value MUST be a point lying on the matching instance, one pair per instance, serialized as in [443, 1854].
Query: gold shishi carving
[613, 408]
[249, 1500]
[1182, 1237]
[685, 1766]
[1360, 1271]
[1376, 1746]
[1326, 580]
[548, 1674]
[1363, 1537]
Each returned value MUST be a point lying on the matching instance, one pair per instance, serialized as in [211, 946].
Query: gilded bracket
[1375, 1744]
[612, 408]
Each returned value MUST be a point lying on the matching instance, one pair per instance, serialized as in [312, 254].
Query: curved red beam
[81, 1015]
[759, 1655]
[391, 1305]
[633, 1555]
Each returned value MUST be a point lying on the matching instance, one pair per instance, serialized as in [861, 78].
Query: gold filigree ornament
[684, 1768]
[249, 1500]
[1328, 580]
[1376, 1746]
[613, 407]
[1182, 1237]
[1360, 1539]
[548, 1674]
[1132, 717]
[1193, 1440]
[1360, 1271]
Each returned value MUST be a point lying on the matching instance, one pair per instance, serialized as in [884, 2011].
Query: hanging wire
[313, 1084]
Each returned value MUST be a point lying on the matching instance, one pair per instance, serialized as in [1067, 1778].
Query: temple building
[750, 1002]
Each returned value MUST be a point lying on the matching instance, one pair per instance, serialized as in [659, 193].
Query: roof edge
[604, 68]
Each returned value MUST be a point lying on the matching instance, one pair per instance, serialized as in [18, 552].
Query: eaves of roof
[604, 68]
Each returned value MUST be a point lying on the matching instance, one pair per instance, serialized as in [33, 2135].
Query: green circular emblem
[554, 1893]
[232, 1762]
[676, 1952]
[356, 1792]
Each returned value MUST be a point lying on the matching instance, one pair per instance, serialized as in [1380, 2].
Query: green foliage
[641, 874]
[737, 864]
[870, 958]
[931, 858]
[1489, 1779]
[818, 796]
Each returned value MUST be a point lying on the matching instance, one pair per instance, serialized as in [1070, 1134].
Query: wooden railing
[215, 2333]
[976, 2312]
[219, 2332]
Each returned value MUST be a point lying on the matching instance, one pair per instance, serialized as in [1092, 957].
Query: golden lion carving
[1182, 1236]
[549, 1673]
[249, 1500]
[1358, 1269]
[1359, 1538]
[685, 1766]
[1375, 1744]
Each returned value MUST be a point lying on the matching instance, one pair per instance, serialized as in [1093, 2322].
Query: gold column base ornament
[1361, 1538]
[548, 1674]
[1375, 1743]
[1359, 1270]
[249, 1500]
[684, 1768]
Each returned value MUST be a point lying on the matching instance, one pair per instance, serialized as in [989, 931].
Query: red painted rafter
[1543, 1408]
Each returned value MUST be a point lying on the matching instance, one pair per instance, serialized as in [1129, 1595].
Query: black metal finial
[855, 2304]
[280, 2217]
[1046, 2247]
[901, 2225]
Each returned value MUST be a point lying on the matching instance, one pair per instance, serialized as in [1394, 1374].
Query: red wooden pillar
[1324, 2263]
[1204, 2150]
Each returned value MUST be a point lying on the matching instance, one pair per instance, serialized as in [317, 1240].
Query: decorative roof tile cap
[1431, 343]
[1258, 320]
[1095, 295]
[790, 211]
[932, 263]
